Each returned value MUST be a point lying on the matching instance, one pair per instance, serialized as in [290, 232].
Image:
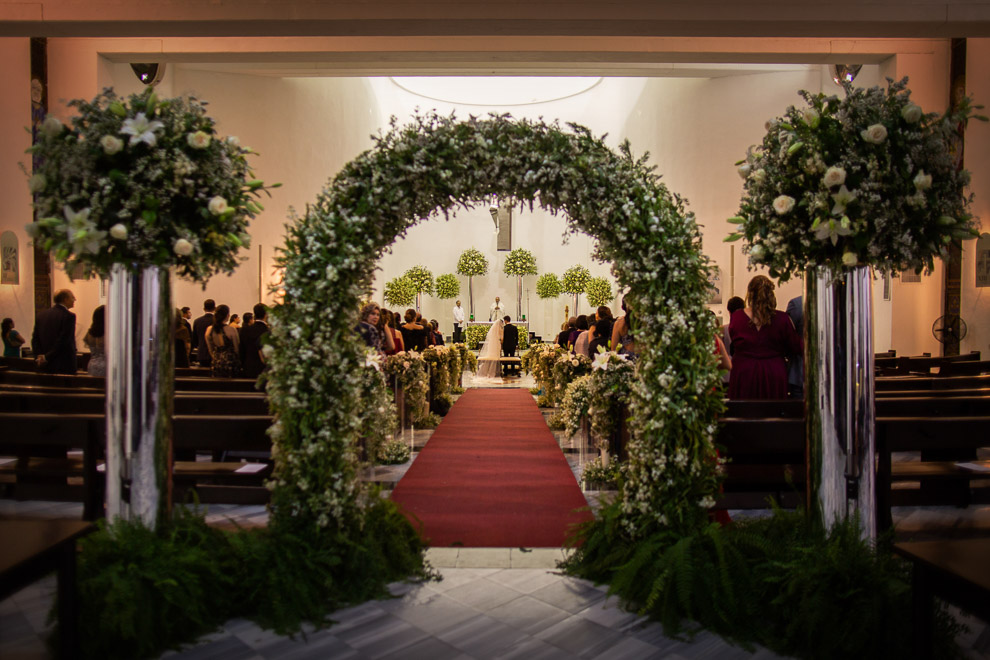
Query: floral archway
[432, 166]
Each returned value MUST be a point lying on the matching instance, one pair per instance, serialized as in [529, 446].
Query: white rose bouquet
[865, 180]
[520, 262]
[142, 181]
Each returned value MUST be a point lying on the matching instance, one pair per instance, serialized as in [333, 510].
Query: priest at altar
[497, 311]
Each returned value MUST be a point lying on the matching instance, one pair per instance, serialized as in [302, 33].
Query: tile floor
[491, 602]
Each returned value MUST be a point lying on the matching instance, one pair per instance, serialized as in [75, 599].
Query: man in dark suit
[510, 338]
[186, 315]
[200, 326]
[252, 358]
[795, 367]
[54, 337]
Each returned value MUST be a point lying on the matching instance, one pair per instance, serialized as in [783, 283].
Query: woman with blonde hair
[762, 338]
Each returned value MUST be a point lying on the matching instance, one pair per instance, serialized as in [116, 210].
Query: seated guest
[437, 335]
[565, 333]
[223, 343]
[367, 326]
[604, 313]
[388, 323]
[600, 337]
[95, 340]
[623, 342]
[252, 338]
[413, 334]
[763, 338]
[235, 322]
[579, 326]
[12, 340]
[583, 339]
[183, 340]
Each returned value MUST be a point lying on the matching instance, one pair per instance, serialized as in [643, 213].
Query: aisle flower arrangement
[612, 377]
[575, 404]
[408, 369]
[539, 361]
[400, 292]
[548, 286]
[438, 358]
[599, 291]
[469, 360]
[377, 414]
[520, 262]
[447, 286]
[142, 181]
[474, 335]
[869, 179]
[566, 368]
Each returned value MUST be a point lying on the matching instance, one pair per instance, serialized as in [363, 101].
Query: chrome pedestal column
[839, 389]
[140, 387]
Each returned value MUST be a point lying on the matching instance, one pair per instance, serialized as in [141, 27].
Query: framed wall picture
[10, 259]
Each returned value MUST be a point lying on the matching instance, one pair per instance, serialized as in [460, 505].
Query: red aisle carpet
[492, 475]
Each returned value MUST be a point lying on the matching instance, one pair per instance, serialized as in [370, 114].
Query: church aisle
[492, 475]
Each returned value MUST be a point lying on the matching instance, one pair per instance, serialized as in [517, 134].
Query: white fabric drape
[491, 352]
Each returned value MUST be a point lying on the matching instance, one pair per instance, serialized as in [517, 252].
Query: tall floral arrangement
[576, 279]
[142, 181]
[400, 292]
[447, 286]
[520, 262]
[548, 286]
[566, 368]
[869, 179]
[599, 291]
[472, 262]
[421, 278]
[408, 370]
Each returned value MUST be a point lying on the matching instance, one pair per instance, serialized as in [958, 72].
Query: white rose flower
[756, 253]
[783, 204]
[744, 170]
[111, 144]
[37, 183]
[849, 259]
[760, 176]
[834, 176]
[198, 140]
[119, 231]
[923, 181]
[233, 141]
[52, 126]
[810, 117]
[911, 113]
[875, 134]
[182, 247]
[218, 205]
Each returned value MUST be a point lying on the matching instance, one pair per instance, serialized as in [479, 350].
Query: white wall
[16, 301]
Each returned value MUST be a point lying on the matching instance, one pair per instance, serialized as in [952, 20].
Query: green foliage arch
[437, 164]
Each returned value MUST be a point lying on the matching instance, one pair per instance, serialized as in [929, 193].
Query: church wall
[975, 307]
[16, 301]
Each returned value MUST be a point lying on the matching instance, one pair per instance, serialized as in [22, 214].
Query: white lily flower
[842, 200]
[141, 129]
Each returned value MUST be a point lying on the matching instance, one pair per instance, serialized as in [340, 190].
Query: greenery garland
[142, 181]
[575, 279]
[400, 292]
[472, 262]
[436, 164]
[868, 179]
[548, 286]
[599, 291]
[520, 262]
[447, 286]
[421, 278]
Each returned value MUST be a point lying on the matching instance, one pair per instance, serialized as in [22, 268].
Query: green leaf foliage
[472, 262]
[599, 291]
[447, 286]
[575, 279]
[548, 286]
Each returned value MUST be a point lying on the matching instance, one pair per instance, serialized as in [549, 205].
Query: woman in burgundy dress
[762, 338]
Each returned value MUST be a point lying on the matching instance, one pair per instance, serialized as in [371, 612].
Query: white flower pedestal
[839, 390]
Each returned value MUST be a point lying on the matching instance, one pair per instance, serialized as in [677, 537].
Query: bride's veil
[491, 352]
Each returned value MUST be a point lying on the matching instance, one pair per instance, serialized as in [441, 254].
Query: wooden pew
[191, 384]
[932, 383]
[766, 459]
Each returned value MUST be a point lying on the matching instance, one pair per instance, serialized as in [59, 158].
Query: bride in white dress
[488, 365]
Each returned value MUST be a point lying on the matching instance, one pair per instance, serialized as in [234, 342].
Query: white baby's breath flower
[760, 176]
[182, 247]
[233, 141]
[119, 231]
[218, 205]
[834, 176]
[111, 144]
[874, 134]
[198, 140]
[783, 204]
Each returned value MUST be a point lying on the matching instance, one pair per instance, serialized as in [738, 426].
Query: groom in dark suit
[510, 338]
[54, 338]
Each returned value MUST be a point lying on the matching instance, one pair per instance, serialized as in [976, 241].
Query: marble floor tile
[580, 637]
[569, 594]
[534, 649]
[534, 557]
[442, 557]
[483, 558]
[482, 636]
[528, 614]
[525, 580]
[482, 594]
[429, 648]
[630, 648]
[434, 614]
